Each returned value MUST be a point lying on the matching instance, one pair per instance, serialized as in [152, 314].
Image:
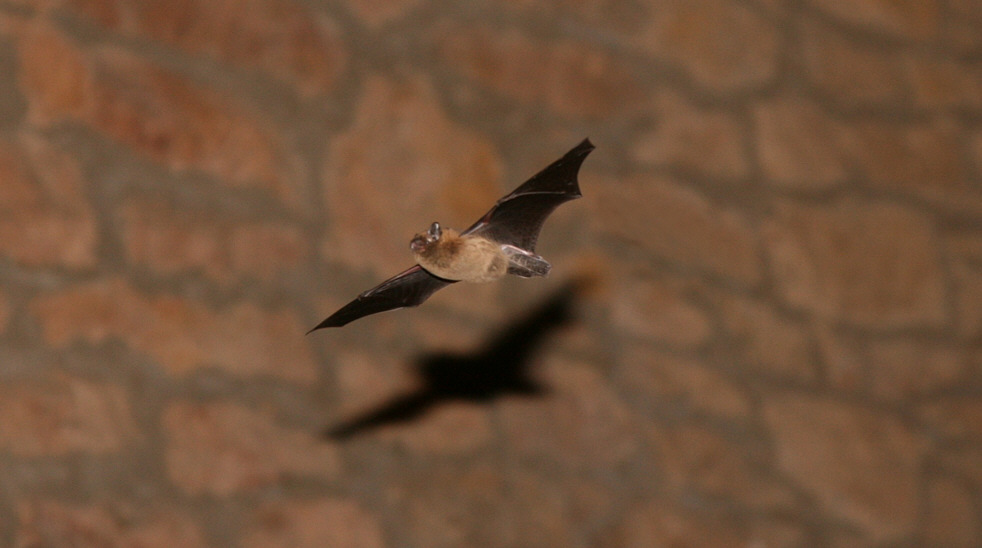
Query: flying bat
[501, 242]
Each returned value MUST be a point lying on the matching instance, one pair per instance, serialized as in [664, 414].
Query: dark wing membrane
[408, 288]
[517, 218]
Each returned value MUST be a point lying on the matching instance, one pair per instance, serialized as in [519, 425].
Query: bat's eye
[434, 232]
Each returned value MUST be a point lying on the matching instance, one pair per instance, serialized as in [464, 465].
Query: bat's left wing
[517, 218]
[408, 288]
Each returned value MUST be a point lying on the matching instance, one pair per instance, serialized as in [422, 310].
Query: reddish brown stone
[869, 263]
[224, 448]
[900, 369]
[963, 30]
[965, 251]
[849, 71]
[663, 523]
[862, 466]
[958, 418]
[320, 522]
[182, 335]
[372, 171]
[951, 518]
[452, 505]
[910, 19]
[799, 146]
[582, 423]
[62, 415]
[680, 225]
[660, 378]
[721, 44]
[279, 38]
[158, 113]
[376, 13]
[174, 241]
[52, 523]
[699, 458]
[769, 342]
[569, 78]
[4, 312]
[693, 138]
[448, 429]
[945, 83]
[45, 219]
[925, 160]
[659, 309]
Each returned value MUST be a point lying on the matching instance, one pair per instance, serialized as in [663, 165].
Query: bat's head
[425, 240]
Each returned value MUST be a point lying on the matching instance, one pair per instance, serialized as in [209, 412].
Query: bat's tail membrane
[524, 263]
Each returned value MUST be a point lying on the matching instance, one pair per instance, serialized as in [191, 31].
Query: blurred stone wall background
[782, 227]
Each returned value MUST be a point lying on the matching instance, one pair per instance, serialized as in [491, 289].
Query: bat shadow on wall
[501, 367]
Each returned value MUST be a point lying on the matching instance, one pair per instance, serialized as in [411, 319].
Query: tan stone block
[721, 44]
[158, 113]
[581, 423]
[679, 224]
[870, 263]
[768, 341]
[567, 77]
[951, 518]
[333, 522]
[223, 448]
[53, 523]
[799, 145]
[281, 39]
[851, 71]
[659, 309]
[711, 463]
[863, 466]
[182, 335]
[174, 240]
[45, 218]
[60, 415]
[908, 19]
[686, 384]
[697, 139]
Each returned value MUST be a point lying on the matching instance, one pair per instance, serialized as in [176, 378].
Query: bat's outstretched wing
[517, 218]
[408, 288]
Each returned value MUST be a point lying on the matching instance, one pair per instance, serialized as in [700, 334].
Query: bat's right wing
[408, 288]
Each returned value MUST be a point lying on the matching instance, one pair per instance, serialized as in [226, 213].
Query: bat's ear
[434, 232]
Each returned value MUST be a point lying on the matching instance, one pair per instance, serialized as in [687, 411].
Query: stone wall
[763, 325]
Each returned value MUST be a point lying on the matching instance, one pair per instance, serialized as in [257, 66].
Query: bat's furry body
[499, 243]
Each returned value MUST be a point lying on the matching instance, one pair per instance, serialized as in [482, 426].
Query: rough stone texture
[51, 523]
[910, 19]
[176, 239]
[146, 107]
[799, 146]
[224, 448]
[721, 44]
[869, 263]
[44, 217]
[680, 225]
[279, 38]
[850, 75]
[774, 338]
[560, 75]
[325, 522]
[181, 334]
[693, 139]
[64, 415]
[861, 465]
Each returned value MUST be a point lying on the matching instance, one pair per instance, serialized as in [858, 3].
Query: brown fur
[464, 258]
